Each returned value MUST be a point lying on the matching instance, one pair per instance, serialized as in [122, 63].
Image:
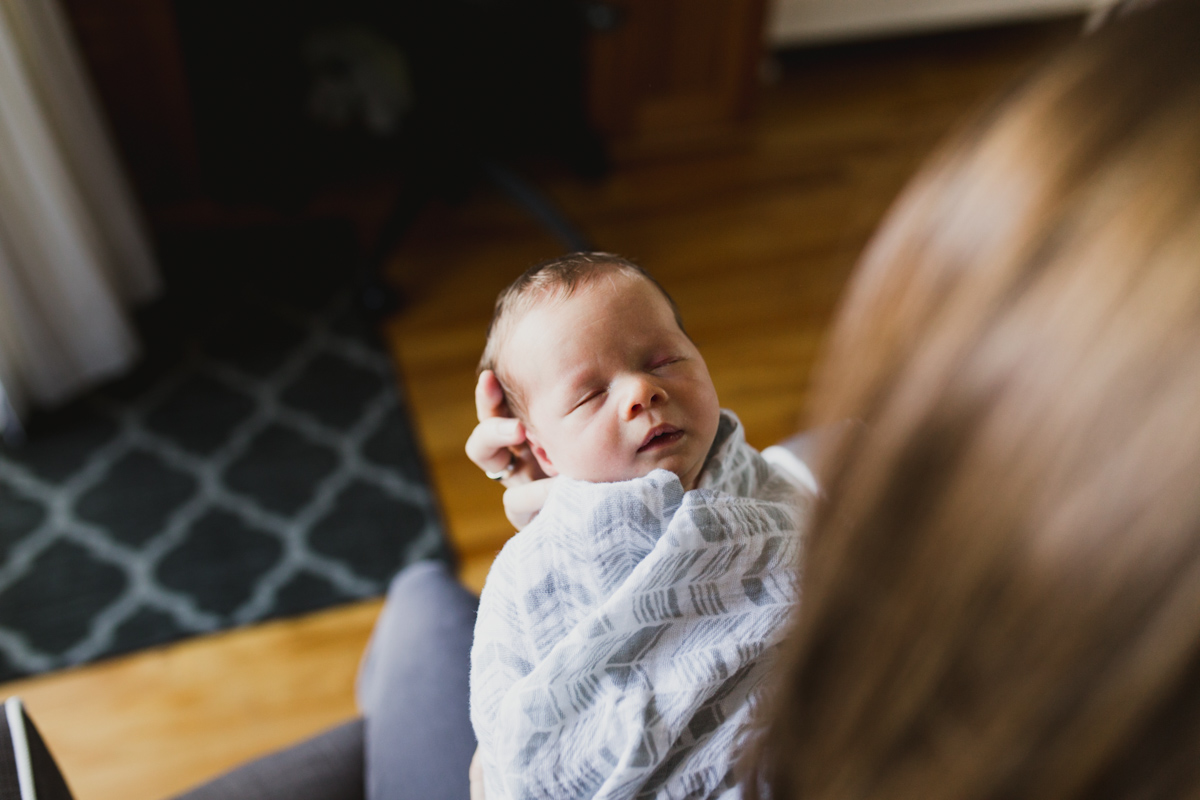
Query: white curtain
[74, 254]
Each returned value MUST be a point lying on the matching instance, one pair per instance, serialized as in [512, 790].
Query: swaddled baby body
[623, 635]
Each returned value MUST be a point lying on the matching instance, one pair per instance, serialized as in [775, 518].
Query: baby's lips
[657, 431]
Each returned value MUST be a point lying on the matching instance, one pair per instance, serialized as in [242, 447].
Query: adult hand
[497, 442]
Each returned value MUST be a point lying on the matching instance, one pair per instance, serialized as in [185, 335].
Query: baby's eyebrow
[578, 376]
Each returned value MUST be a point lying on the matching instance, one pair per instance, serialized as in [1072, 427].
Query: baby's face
[613, 388]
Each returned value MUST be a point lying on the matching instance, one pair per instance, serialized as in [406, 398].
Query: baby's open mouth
[661, 436]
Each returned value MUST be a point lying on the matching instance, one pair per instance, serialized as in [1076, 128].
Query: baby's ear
[539, 452]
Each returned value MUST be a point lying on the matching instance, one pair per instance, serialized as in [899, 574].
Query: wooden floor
[755, 245]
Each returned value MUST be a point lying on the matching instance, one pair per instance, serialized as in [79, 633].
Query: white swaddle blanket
[623, 634]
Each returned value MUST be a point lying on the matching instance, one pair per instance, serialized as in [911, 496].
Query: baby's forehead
[567, 336]
[558, 296]
[569, 327]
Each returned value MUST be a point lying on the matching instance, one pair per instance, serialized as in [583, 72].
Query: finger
[475, 776]
[489, 444]
[489, 397]
[522, 503]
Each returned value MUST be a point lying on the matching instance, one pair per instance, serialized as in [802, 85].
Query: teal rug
[259, 463]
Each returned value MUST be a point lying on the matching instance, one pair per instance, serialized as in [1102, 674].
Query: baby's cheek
[600, 459]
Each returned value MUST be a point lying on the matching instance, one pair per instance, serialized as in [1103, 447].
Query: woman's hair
[1002, 588]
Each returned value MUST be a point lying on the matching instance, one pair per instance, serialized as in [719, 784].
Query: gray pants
[415, 738]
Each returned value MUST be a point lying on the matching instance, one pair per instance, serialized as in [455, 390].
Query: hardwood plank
[155, 723]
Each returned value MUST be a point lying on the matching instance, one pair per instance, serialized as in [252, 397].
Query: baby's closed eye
[588, 397]
[666, 361]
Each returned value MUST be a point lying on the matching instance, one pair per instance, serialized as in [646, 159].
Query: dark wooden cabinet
[667, 76]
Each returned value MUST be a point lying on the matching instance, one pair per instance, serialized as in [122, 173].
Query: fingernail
[510, 426]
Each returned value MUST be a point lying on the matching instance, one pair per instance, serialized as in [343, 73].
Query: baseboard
[809, 21]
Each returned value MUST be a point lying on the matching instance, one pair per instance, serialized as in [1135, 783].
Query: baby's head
[594, 361]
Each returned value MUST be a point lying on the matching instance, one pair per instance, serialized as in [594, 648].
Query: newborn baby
[623, 635]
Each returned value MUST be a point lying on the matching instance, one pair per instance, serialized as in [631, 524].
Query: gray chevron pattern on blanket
[623, 636]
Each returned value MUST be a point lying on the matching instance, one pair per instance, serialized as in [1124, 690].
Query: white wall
[796, 21]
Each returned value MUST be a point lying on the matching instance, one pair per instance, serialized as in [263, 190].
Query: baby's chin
[687, 474]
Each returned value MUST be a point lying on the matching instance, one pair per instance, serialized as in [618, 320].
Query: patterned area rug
[258, 464]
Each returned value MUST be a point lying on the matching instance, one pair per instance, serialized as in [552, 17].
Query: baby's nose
[642, 394]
